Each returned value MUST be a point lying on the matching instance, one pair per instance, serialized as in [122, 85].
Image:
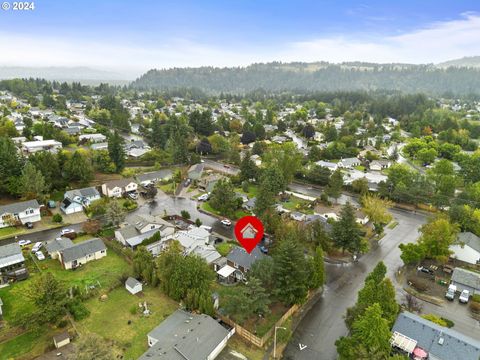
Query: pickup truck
[450, 294]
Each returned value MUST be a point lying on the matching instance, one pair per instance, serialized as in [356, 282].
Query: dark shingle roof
[239, 256]
[19, 207]
[58, 244]
[185, 336]
[427, 334]
[82, 249]
[466, 277]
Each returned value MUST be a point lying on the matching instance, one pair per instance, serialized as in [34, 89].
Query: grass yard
[110, 318]
[297, 204]
[10, 231]
[168, 188]
[238, 214]
[27, 346]
[252, 191]
[224, 248]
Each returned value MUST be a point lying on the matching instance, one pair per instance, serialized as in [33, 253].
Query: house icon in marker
[249, 232]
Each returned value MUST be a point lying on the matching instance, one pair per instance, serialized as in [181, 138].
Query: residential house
[81, 253]
[185, 335]
[208, 183]
[349, 163]
[133, 286]
[333, 212]
[99, 146]
[297, 216]
[329, 165]
[94, 138]
[154, 177]
[195, 171]
[466, 280]
[19, 213]
[419, 338]
[30, 147]
[239, 263]
[73, 130]
[55, 247]
[279, 139]
[12, 263]
[467, 248]
[136, 148]
[196, 240]
[76, 200]
[117, 188]
[378, 165]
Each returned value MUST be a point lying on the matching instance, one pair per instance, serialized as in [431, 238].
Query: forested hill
[317, 77]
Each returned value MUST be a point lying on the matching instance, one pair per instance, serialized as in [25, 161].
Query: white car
[226, 222]
[203, 197]
[66, 231]
[37, 247]
[40, 255]
[23, 243]
[464, 296]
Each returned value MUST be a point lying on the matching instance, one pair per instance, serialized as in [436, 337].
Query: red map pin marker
[249, 231]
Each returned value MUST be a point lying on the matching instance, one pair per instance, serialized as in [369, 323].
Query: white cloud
[433, 43]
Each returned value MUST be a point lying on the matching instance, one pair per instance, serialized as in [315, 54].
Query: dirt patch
[434, 284]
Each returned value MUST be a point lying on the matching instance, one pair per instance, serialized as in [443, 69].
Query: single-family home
[61, 339]
[136, 148]
[195, 171]
[153, 177]
[208, 183]
[327, 164]
[12, 263]
[81, 253]
[250, 204]
[99, 146]
[467, 248]
[56, 246]
[76, 200]
[94, 138]
[378, 165]
[333, 212]
[185, 335]
[19, 213]
[133, 286]
[279, 139]
[419, 338]
[239, 263]
[30, 147]
[297, 216]
[466, 280]
[117, 188]
[349, 163]
[196, 240]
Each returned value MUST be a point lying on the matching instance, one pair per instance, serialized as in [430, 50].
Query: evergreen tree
[248, 169]
[317, 274]
[33, 183]
[78, 168]
[11, 165]
[335, 184]
[116, 151]
[114, 213]
[144, 266]
[224, 199]
[346, 232]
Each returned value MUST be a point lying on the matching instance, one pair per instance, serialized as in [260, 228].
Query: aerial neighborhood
[140, 222]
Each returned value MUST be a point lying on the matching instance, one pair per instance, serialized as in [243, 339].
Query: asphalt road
[219, 167]
[44, 235]
[324, 324]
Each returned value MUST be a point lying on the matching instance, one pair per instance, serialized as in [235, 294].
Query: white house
[117, 188]
[95, 138]
[30, 147]
[467, 248]
[329, 165]
[379, 165]
[349, 163]
[20, 212]
[133, 286]
[75, 200]
[153, 177]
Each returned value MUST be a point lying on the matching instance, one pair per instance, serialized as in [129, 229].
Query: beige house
[117, 188]
[82, 253]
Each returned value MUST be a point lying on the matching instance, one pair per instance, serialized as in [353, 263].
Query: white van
[37, 247]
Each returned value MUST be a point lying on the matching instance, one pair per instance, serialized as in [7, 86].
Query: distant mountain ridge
[78, 73]
[468, 61]
[317, 76]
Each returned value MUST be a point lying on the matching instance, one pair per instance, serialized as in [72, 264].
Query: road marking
[301, 346]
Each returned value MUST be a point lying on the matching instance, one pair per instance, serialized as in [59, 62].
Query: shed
[61, 339]
[133, 285]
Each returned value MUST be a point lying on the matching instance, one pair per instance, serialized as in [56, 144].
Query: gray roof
[82, 249]
[58, 244]
[185, 336]
[466, 277]
[155, 175]
[427, 334]
[138, 238]
[10, 254]
[121, 183]
[132, 282]
[19, 207]
[469, 239]
[239, 256]
[350, 161]
[84, 192]
[195, 170]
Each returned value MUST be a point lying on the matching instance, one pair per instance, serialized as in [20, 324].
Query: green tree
[48, 164]
[411, 253]
[335, 184]
[346, 232]
[223, 198]
[78, 168]
[263, 270]
[116, 151]
[286, 157]
[376, 209]
[437, 236]
[317, 274]
[248, 169]
[115, 213]
[144, 266]
[11, 165]
[33, 183]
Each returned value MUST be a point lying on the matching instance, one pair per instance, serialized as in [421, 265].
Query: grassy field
[168, 188]
[297, 204]
[238, 214]
[10, 231]
[27, 346]
[110, 318]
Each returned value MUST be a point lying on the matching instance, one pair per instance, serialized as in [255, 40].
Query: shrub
[62, 323]
[476, 298]
[185, 214]
[418, 284]
[78, 310]
[435, 319]
[475, 307]
[449, 322]
[57, 218]
[198, 222]
[134, 309]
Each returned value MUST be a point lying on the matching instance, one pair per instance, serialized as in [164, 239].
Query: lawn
[110, 318]
[224, 248]
[252, 191]
[168, 188]
[238, 214]
[26, 346]
[10, 231]
[297, 204]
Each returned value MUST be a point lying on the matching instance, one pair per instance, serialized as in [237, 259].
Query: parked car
[23, 243]
[66, 231]
[464, 296]
[187, 182]
[132, 195]
[40, 255]
[226, 222]
[37, 246]
[29, 225]
[450, 294]
[425, 270]
[203, 197]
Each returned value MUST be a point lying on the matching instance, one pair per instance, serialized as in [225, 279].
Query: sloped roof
[427, 334]
[466, 277]
[469, 239]
[19, 207]
[132, 282]
[82, 249]
[154, 175]
[58, 244]
[10, 254]
[240, 256]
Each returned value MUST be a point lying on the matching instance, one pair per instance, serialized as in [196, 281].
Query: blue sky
[133, 36]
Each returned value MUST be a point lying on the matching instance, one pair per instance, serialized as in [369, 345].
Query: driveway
[324, 324]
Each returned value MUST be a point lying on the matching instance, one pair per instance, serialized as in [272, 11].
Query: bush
[134, 310]
[476, 298]
[475, 307]
[418, 284]
[435, 319]
[57, 218]
[62, 323]
[129, 205]
[185, 214]
[449, 322]
[78, 310]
